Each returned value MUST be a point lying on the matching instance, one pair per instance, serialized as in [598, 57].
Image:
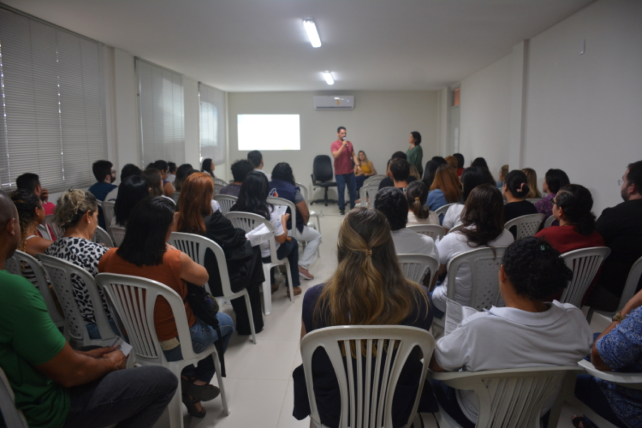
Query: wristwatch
[618, 317]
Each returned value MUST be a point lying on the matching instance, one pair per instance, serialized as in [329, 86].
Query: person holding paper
[527, 332]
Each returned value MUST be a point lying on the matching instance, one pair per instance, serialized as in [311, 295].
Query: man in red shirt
[344, 155]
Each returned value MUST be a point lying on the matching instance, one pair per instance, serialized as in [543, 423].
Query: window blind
[162, 114]
[212, 123]
[53, 103]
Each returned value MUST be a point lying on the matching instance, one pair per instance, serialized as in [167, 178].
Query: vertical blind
[162, 114]
[212, 123]
[53, 103]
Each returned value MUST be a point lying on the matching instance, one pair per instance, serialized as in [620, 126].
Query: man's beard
[625, 195]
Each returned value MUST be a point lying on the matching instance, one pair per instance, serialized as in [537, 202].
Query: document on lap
[455, 315]
[122, 346]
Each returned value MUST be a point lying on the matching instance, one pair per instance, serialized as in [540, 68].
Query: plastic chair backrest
[626, 379]
[60, 273]
[484, 267]
[374, 179]
[368, 195]
[280, 202]
[527, 225]
[53, 227]
[549, 221]
[631, 284]
[226, 202]
[456, 228]
[322, 168]
[41, 283]
[13, 418]
[416, 266]
[533, 200]
[44, 231]
[442, 209]
[118, 233]
[218, 187]
[195, 246]
[584, 263]
[220, 181]
[102, 237]
[249, 222]
[134, 298]
[108, 210]
[433, 230]
[360, 390]
[303, 190]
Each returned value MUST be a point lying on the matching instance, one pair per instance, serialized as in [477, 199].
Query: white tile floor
[259, 377]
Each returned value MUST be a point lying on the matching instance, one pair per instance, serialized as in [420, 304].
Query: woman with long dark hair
[31, 214]
[471, 178]
[163, 167]
[367, 288]
[554, 180]
[253, 199]
[208, 167]
[131, 191]
[515, 190]
[483, 220]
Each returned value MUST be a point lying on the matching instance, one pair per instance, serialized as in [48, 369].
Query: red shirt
[343, 164]
[566, 238]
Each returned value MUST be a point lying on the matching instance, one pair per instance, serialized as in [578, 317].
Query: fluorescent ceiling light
[313, 34]
[328, 77]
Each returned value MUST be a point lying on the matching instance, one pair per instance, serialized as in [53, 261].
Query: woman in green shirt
[414, 153]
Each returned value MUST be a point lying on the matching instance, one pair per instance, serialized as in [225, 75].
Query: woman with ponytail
[418, 213]
[368, 288]
[31, 214]
[572, 208]
[515, 191]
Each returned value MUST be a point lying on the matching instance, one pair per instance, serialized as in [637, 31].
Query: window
[162, 114]
[52, 119]
[212, 123]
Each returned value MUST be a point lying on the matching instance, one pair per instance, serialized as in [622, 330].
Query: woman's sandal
[191, 403]
[296, 290]
[199, 392]
[582, 422]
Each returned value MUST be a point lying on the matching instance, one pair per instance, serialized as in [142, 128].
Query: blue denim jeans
[202, 336]
[92, 329]
[588, 391]
[351, 182]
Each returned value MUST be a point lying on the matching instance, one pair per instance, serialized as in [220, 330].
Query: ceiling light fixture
[313, 34]
[328, 77]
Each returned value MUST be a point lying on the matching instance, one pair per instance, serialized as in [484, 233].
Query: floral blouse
[545, 205]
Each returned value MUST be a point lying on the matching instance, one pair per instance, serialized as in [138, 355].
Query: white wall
[380, 125]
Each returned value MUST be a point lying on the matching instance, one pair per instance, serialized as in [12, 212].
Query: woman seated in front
[418, 212]
[483, 221]
[244, 264]
[131, 191]
[366, 169]
[527, 332]
[31, 214]
[515, 190]
[470, 178]
[145, 253]
[368, 288]
[445, 188]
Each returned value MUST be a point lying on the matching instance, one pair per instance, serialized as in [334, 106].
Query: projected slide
[269, 132]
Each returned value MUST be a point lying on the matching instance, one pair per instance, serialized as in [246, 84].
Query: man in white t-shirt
[525, 333]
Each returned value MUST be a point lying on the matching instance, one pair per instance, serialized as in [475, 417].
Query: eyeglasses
[554, 202]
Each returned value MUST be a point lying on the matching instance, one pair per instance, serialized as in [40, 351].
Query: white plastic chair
[630, 285]
[456, 228]
[195, 246]
[527, 225]
[442, 210]
[118, 233]
[108, 211]
[44, 231]
[248, 222]
[373, 410]
[549, 221]
[226, 202]
[374, 179]
[416, 266]
[368, 194]
[304, 192]
[53, 227]
[533, 200]
[626, 380]
[60, 272]
[12, 265]
[220, 181]
[102, 237]
[433, 230]
[584, 263]
[218, 187]
[13, 418]
[134, 299]
[512, 397]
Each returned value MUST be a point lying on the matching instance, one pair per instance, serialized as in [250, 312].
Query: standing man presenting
[344, 155]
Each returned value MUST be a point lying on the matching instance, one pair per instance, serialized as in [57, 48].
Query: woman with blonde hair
[531, 180]
[445, 188]
[364, 170]
[367, 288]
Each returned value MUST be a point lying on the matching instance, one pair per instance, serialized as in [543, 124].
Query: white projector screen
[268, 132]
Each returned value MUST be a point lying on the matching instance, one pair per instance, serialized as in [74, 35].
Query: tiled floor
[258, 382]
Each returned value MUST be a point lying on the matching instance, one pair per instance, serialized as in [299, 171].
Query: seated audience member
[527, 332]
[208, 167]
[471, 178]
[163, 168]
[618, 348]
[31, 214]
[253, 199]
[154, 181]
[444, 188]
[415, 154]
[483, 220]
[131, 191]
[182, 172]
[171, 172]
[554, 180]
[31, 183]
[368, 271]
[418, 213]
[452, 161]
[284, 186]
[621, 228]
[460, 163]
[503, 172]
[127, 171]
[366, 169]
[531, 176]
[240, 169]
[244, 264]
[392, 203]
[431, 169]
[400, 172]
[105, 176]
[145, 253]
[481, 162]
[388, 181]
[515, 190]
[77, 215]
[414, 173]
[55, 385]
[256, 158]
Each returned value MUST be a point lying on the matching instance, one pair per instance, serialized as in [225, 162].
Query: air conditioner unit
[333, 102]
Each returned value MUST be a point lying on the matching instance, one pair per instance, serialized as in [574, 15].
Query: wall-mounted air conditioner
[333, 102]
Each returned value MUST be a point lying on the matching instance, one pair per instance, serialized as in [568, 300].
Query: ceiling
[260, 45]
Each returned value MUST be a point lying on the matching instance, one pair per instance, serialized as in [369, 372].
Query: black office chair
[322, 175]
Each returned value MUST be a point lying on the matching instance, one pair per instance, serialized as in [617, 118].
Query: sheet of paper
[279, 210]
[455, 315]
[258, 235]
[122, 345]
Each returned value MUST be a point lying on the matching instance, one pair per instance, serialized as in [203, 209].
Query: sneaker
[304, 273]
[342, 212]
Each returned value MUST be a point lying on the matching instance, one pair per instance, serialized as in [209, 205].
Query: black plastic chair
[322, 175]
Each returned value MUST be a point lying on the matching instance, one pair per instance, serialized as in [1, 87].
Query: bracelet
[618, 317]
